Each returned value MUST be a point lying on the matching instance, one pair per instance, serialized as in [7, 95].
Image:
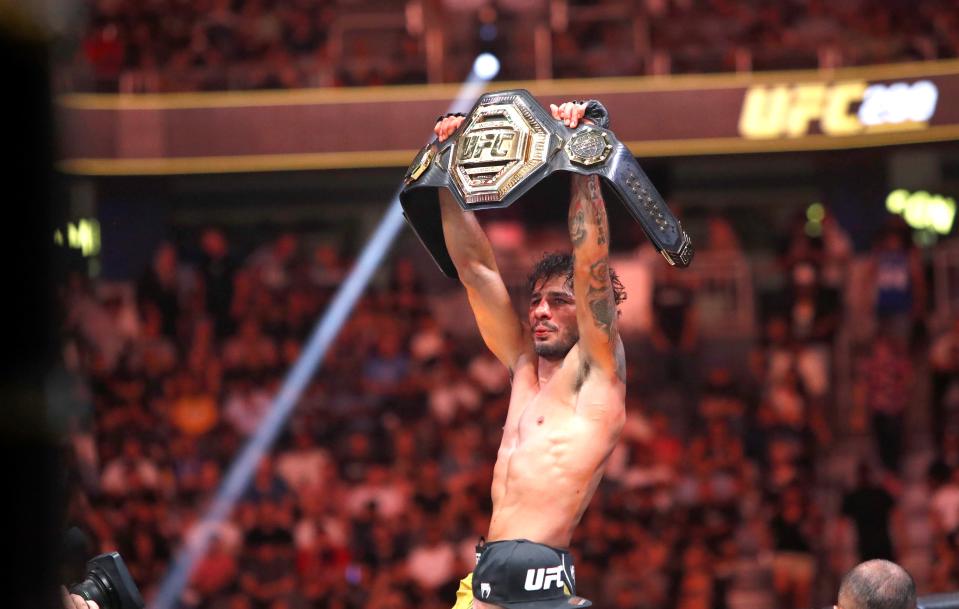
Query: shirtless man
[567, 406]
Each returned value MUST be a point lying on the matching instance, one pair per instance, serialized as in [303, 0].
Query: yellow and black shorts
[501, 566]
[464, 594]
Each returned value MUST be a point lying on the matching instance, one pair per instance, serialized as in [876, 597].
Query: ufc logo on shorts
[543, 578]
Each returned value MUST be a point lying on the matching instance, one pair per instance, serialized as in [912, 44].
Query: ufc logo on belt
[543, 578]
[494, 146]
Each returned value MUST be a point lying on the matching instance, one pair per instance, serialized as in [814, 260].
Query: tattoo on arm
[587, 212]
[595, 200]
[577, 222]
[600, 296]
[596, 301]
[577, 226]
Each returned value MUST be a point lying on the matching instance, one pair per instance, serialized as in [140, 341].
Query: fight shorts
[521, 574]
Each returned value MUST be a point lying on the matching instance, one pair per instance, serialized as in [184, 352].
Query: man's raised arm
[475, 263]
[596, 316]
[599, 341]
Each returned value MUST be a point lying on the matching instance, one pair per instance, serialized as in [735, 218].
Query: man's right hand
[445, 127]
[75, 601]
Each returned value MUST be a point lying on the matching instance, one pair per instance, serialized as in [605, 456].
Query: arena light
[83, 235]
[237, 479]
[922, 210]
[815, 214]
[486, 66]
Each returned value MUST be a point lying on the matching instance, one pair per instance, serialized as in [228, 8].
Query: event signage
[285, 130]
[842, 108]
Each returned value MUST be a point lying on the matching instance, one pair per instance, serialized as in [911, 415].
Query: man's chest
[541, 417]
[541, 412]
[539, 406]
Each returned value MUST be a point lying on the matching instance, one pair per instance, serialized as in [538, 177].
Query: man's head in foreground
[552, 306]
[877, 584]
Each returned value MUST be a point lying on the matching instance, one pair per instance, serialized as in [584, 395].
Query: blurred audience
[944, 363]
[379, 487]
[900, 292]
[884, 389]
[870, 506]
[258, 44]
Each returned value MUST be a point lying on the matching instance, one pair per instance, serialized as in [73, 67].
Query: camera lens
[108, 583]
[96, 588]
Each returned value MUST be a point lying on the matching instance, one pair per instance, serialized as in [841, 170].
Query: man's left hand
[571, 113]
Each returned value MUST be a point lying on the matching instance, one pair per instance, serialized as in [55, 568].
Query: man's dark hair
[877, 584]
[560, 264]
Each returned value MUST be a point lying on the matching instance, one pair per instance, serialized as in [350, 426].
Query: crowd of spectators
[708, 36]
[378, 489]
[251, 44]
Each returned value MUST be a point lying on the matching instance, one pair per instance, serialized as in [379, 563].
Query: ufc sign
[840, 108]
[544, 578]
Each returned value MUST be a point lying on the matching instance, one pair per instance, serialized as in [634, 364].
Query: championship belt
[508, 144]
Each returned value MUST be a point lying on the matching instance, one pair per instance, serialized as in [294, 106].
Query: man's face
[552, 318]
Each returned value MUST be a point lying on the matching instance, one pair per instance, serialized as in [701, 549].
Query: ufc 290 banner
[654, 116]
